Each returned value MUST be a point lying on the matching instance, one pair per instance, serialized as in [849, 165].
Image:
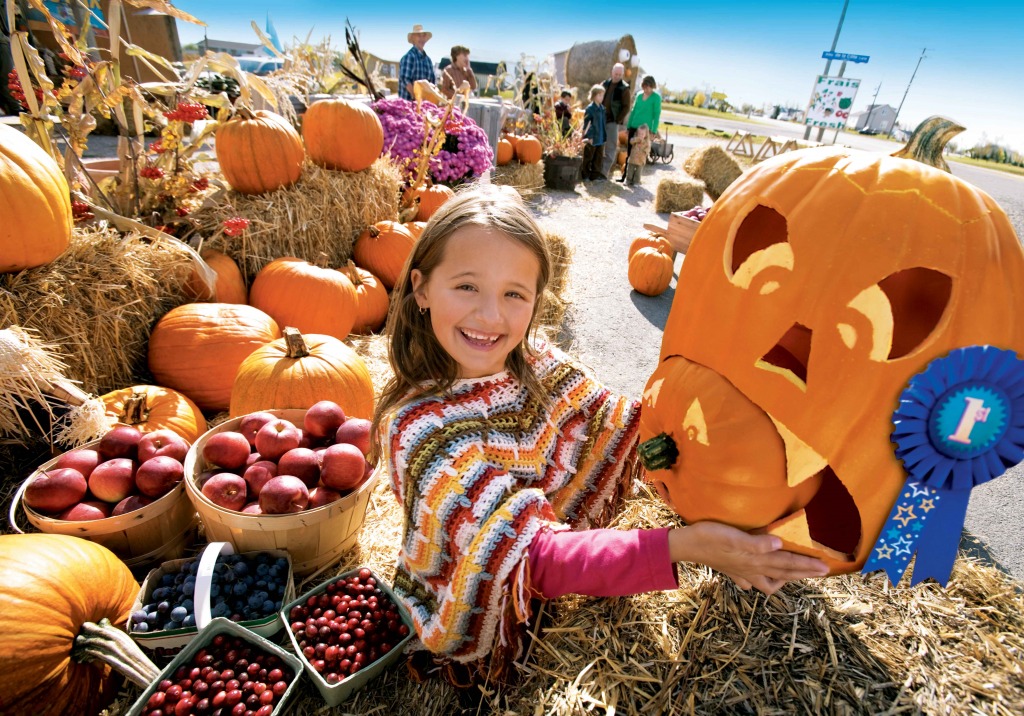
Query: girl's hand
[749, 560]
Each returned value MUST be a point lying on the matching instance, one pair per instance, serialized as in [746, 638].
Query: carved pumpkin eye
[902, 311]
[759, 251]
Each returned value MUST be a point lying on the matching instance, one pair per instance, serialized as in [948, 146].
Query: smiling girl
[508, 458]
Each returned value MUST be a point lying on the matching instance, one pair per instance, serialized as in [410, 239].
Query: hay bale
[678, 193]
[98, 301]
[590, 63]
[527, 179]
[555, 304]
[324, 212]
[713, 166]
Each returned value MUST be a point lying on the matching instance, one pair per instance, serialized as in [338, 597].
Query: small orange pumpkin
[297, 371]
[342, 135]
[382, 250]
[153, 407]
[371, 299]
[196, 348]
[230, 286]
[431, 198]
[529, 149]
[651, 241]
[314, 299]
[505, 152]
[623, 138]
[650, 271]
[259, 152]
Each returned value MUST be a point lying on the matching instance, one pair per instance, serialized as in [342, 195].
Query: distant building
[235, 49]
[876, 119]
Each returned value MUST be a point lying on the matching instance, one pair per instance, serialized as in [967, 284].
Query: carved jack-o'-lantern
[819, 284]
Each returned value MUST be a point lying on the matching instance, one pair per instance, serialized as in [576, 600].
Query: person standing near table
[415, 64]
[616, 107]
[457, 72]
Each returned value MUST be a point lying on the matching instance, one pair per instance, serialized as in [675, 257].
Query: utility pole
[924, 50]
[828, 65]
[871, 110]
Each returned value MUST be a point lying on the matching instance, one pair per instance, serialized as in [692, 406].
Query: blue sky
[755, 52]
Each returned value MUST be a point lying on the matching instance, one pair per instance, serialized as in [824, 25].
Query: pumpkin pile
[525, 149]
[651, 260]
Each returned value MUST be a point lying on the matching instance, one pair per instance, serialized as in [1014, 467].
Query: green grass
[705, 112]
[986, 164]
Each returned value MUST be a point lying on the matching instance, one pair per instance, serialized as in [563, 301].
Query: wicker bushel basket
[315, 538]
[160, 531]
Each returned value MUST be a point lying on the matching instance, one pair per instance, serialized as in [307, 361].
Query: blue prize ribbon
[960, 423]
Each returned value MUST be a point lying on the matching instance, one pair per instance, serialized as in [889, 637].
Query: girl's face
[480, 297]
[648, 90]
[642, 132]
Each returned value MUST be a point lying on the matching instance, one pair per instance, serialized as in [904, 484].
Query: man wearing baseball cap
[415, 64]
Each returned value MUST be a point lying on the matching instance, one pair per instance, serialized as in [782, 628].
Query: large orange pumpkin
[382, 250]
[650, 271]
[505, 152]
[35, 204]
[371, 299]
[823, 281]
[56, 588]
[196, 348]
[297, 371]
[529, 149]
[153, 407]
[314, 299]
[259, 152]
[415, 228]
[342, 135]
[431, 198]
[230, 287]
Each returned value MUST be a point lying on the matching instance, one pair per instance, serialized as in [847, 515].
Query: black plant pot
[562, 172]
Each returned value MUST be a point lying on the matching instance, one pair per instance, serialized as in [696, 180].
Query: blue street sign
[844, 57]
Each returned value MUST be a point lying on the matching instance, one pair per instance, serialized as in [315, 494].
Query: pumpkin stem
[106, 643]
[134, 412]
[659, 452]
[323, 260]
[244, 112]
[929, 140]
[295, 343]
[353, 274]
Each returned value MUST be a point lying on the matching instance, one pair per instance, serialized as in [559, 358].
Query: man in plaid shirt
[415, 64]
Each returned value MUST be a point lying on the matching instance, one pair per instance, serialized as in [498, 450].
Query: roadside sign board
[845, 57]
[831, 102]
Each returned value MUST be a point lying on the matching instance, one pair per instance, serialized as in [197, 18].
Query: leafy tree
[699, 99]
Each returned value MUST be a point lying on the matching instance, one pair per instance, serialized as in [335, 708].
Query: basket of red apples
[124, 491]
[296, 480]
[348, 631]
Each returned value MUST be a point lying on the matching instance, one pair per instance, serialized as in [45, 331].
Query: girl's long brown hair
[421, 365]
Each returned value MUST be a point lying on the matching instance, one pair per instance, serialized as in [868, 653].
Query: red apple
[226, 490]
[355, 431]
[308, 441]
[162, 442]
[254, 457]
[130, 504]
[228, 450]
[276, 438]
[301, 462]
[320, 496]
[55, 490]
[120, 441]
[323, 419]
[258, 474]
[83, 459]
[253, 508]
[158, 475]
[283, 494]
[250, 424]
[113, 480]
[343, 467]
[86, 511]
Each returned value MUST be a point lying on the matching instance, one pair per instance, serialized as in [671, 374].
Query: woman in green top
[646, 110]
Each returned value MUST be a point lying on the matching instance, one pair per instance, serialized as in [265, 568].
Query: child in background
[638, 152]
[563, 112]
[594, 135]
[507, 458]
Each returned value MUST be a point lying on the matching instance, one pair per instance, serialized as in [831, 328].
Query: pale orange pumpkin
[196, 348]
[529, 149]
[382, 250]
[35, 204]
[259, 152]
[342, 135]
[371, 299]
[650, 271]
[314, 299]
[297, 371]
[230, 286]
[505, 152]
[153, 407]
[431, 198]
[824, 280]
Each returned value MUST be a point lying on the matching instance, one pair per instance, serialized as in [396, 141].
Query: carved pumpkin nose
[730, 458]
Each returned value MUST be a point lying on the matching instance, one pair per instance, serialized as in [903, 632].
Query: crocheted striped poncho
[480, 473]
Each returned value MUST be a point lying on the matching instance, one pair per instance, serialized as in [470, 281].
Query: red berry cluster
[347, 627]
[157, 146]
[18, 92]
[201, 184]
[77, 73]
[188, 112]
[235, 226]
[229, 677]
[151, 172]
[81, 211]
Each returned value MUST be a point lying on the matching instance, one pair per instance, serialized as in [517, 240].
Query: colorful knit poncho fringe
[480, 473]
